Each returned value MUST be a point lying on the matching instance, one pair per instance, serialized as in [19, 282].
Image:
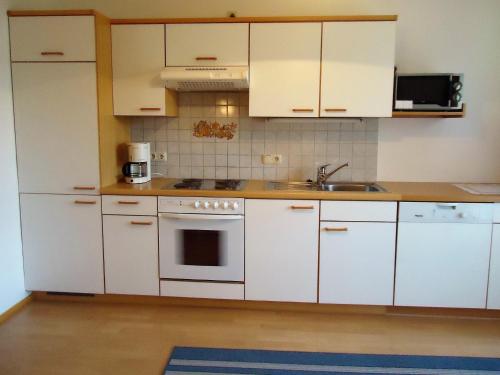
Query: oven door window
[201, 247]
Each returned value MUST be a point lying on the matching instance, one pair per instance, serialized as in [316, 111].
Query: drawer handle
[449, 206]
[343, 229]
[85, 202]
[141, 222]
[335, 110]
[302, 109]
[128, 202]
[84, 187]
[206, 58]
[52, 53]
[302, 207]
[150, 109]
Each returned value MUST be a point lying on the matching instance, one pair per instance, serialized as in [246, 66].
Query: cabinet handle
[150, 109]
[128, 202]
[84, 187]
[206, 58]
[52, 53]
[335, 110]
[85, 202]
[302, 109]
[141, 222]
[343, 229]
[302, 207]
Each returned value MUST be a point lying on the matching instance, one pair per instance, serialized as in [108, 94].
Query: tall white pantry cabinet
[57, 139]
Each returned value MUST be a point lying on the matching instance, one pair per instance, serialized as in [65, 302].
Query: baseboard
[269, 306]
[15, 309]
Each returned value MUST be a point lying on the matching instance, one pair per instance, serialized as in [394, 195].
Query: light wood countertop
[396, 191]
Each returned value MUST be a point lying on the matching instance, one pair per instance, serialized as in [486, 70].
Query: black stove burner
[226, 184]
[189, 183]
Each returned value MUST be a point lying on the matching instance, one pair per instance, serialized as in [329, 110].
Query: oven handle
[199, 216]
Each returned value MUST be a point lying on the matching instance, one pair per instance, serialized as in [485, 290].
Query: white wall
[11, 261]
[433, 35]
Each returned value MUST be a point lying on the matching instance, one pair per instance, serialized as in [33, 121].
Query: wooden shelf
[429, 114]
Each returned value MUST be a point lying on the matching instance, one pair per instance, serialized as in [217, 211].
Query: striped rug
[237, 361]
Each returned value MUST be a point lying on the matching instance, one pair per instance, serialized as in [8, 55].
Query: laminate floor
[102, 338]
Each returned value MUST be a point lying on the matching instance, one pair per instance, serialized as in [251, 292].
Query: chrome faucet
[322, 176]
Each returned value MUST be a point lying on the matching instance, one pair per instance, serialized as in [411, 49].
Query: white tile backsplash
[303, 143]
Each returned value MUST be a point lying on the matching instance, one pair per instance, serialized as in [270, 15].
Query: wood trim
[171, 103]
[429, 114]
[68, 12]
[270, 306]
[15, 309]
[353, 18]
[114, 131]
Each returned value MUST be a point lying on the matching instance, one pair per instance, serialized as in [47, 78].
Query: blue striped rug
[237, 361]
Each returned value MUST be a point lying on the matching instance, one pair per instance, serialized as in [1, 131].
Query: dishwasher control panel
[445, 212]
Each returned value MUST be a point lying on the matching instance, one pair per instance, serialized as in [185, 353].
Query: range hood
[215, 78]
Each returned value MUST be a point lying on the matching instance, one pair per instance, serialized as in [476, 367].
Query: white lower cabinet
[131, 254]
[281, 250]
[62, 243]
[357, 263]
[494, 281]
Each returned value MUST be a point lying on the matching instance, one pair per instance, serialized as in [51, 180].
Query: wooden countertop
[396, 191]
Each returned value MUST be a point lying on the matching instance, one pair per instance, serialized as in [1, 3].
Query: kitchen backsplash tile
[303, 143]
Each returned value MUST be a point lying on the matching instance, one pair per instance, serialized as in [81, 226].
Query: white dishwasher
[443, 254]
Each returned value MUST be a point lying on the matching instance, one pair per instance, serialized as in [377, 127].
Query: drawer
[52, 38]
[496, 213]
[358, 211]
[128, 205]
[193, 289]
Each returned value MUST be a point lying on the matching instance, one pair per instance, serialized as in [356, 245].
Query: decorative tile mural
[237, 151]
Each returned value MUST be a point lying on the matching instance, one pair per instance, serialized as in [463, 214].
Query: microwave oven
[428, 92]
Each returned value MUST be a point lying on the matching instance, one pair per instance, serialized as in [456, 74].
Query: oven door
[201, 247]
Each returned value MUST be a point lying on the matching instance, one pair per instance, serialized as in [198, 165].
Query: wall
[11, 262]
[303, 144]
[433, 35]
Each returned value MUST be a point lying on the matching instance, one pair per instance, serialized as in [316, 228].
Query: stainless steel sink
[333, 186]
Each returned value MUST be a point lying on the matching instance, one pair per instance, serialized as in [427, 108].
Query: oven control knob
[235, 205]
[216, 204]
[206, 205]
[225, 205]
[196, 204]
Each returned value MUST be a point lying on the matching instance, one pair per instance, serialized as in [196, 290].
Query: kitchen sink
[333, 186]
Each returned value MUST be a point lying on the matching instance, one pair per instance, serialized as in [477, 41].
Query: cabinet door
[357, 263]
[357, 70]
[281, 250]
[138, 58]
[55, 107]
[285, 69]
[131, 254]
[442, 264]
[52, 38]
[62, 243]
[494, 282]
[215, 44]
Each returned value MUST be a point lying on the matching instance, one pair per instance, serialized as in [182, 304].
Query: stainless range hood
[205, 78]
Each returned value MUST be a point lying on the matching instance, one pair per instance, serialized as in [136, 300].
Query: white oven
[201, 238]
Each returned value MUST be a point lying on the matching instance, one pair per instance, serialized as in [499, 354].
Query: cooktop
[206, 184]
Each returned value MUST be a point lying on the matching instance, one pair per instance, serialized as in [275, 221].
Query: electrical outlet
[154, 156]
[272, 158]
[162, 156]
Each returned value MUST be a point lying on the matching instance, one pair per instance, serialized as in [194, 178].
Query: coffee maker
[138, 168]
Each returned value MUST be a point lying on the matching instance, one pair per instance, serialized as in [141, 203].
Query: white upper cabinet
[281, 250]
[285, 69]
[138, 58]
[52, 38]
[56, 127]
[216, 44]
[357, 70]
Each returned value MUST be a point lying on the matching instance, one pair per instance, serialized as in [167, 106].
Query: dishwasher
[443, 254]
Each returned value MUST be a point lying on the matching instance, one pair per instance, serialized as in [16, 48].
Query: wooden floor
[96, 338]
